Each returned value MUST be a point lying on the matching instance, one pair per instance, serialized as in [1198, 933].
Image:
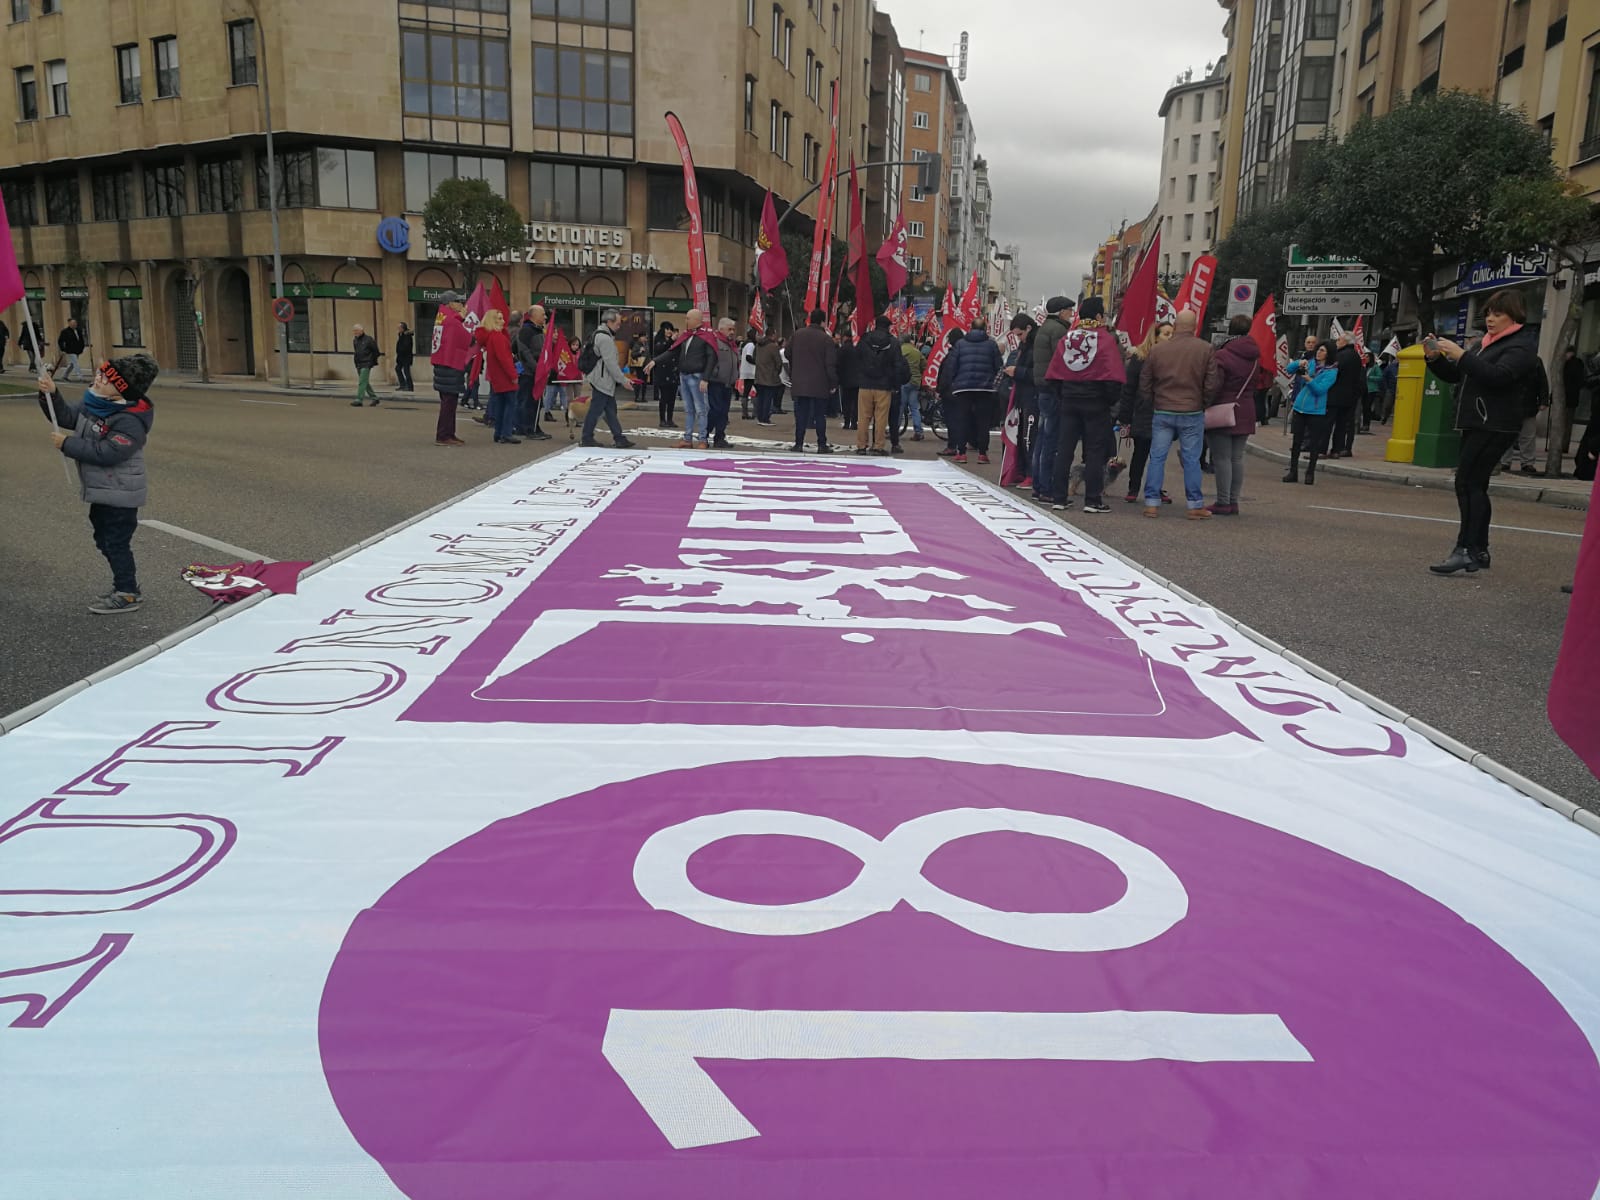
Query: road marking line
[1367, 512]
[237, 552]
[278, 403]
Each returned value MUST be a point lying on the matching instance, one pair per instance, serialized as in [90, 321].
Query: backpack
[589, 357]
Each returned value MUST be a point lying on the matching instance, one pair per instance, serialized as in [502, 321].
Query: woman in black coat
[665, 376]
[405, 344]
[1493, 381]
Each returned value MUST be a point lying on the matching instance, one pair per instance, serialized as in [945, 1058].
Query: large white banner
[690, 826]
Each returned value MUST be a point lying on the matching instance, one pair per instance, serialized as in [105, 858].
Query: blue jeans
[911, 402]
[1044, 441]
[695, 405]
[719, 401]
[503, 414]
[554, 397]
[1189, 430]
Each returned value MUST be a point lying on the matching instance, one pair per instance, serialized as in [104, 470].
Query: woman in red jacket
[502, 369]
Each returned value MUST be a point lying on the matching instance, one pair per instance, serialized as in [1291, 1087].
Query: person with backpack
[605, 375]
[881, 371]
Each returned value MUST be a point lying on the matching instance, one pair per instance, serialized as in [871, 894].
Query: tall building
[135, 173]
[1235, 72]
[885, 129]
[977, 245]
[961, 255]
[1008, 259]
[933, 98]
[1190, 168]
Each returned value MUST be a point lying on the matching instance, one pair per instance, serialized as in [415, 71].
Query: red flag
[951, 319]
[772, 263]
[497, 299]
[892, 256]
[1571, 705]
[1138, 315]
[971, 304]
[11, 289]
[758, 316]
[477, 305]
[1012, 469]
[861, 316]
[549, 359]
[1359, 337]
[1196, 289]
[822, 237]
[1264, 333]
[699, 280]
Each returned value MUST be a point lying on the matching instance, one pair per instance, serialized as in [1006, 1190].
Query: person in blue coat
[974, 364]
[1310, 423]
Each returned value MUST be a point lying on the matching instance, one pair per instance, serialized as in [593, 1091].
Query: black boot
[1311, 470]
[1481, 557]
[1460, 560]
[1294, 470]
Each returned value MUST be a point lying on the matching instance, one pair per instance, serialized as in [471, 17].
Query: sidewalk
[331, 389]
[1272, 443]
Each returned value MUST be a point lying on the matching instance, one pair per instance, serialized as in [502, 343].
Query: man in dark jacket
[405, 352]
[365, 348]
[769, 378]
[881, 371]
[1048, 432]
[664, 376]
[70, 344]
[813, 376]
[1085, 408]
[528, 348]
[1349, 386]
[849, 384]
[973, 364]
[721, 377]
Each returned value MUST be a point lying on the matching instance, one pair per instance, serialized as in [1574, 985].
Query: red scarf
[1491, 338]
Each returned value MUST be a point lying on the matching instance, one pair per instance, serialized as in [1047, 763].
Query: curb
[11, 722]
[1446, 483]
[1575, 813]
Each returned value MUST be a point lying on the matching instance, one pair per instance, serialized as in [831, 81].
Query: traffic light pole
[933, 161]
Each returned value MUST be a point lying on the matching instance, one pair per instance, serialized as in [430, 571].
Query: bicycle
[932, 414]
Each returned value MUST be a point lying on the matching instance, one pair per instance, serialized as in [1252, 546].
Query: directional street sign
[1330, 279]
[1327, 304]
[1298, 259]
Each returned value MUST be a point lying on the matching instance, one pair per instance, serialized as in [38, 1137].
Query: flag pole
[38, 353]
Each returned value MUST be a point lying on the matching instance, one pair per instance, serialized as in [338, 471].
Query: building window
[916, 229]
[788, 42]
[297, 179]
[921, 82]
[816, 85]
[242, 52]
[581, 90]
[164, 194]
[1188, 227]
[219, 185]
[772, 126]
[1590, 147]
[19, 11]
[62, 200]
[130, 83]
[165, 52]
[46, 7]
[805, 158]
[346, 179]
[455, 76]
[836, 33]
[112, 191]
[810, 60]
[917, 194]
[914, 263]
[816, 162]
[299, 326]
[1194, 148]
[1322, 20]
[1192, 181]
[1430, 52]
[1316, 89]
[55, 78]
[919, 120]
[1184, 263]
[665, 201]
[1172, 187]
[581, 195]
[1211, 226]
[425, 172]
[784, 152]
[590, 12]
[131, 332]
[777, 31]
[1373, 31]
[21, 206]
[749, 103]
[27, 95]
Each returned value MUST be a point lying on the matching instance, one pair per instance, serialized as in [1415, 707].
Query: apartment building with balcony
[1192, 116]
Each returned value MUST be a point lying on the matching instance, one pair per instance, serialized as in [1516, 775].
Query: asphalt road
[1336, 571]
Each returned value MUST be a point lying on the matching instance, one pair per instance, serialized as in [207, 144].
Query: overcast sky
[1064, 98]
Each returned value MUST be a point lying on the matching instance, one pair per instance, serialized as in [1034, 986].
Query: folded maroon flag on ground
[235, 581]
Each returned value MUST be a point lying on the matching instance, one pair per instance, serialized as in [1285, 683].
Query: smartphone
[1430, 344]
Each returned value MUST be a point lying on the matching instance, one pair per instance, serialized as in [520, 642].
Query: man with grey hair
[604, 381]
[721, 377]
[366, 357]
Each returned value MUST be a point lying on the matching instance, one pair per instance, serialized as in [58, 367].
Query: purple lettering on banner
[45, 990]
[379, 633]
[862, 978]
[157, 746]
[435, 593]
[279, 687]
[212, 838]
[777, 595]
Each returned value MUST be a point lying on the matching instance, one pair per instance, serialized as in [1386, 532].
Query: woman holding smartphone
[1493, 380]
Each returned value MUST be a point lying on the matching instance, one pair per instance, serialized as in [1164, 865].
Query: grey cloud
[1064, 98]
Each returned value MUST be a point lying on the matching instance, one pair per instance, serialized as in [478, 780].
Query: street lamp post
[264, 75]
